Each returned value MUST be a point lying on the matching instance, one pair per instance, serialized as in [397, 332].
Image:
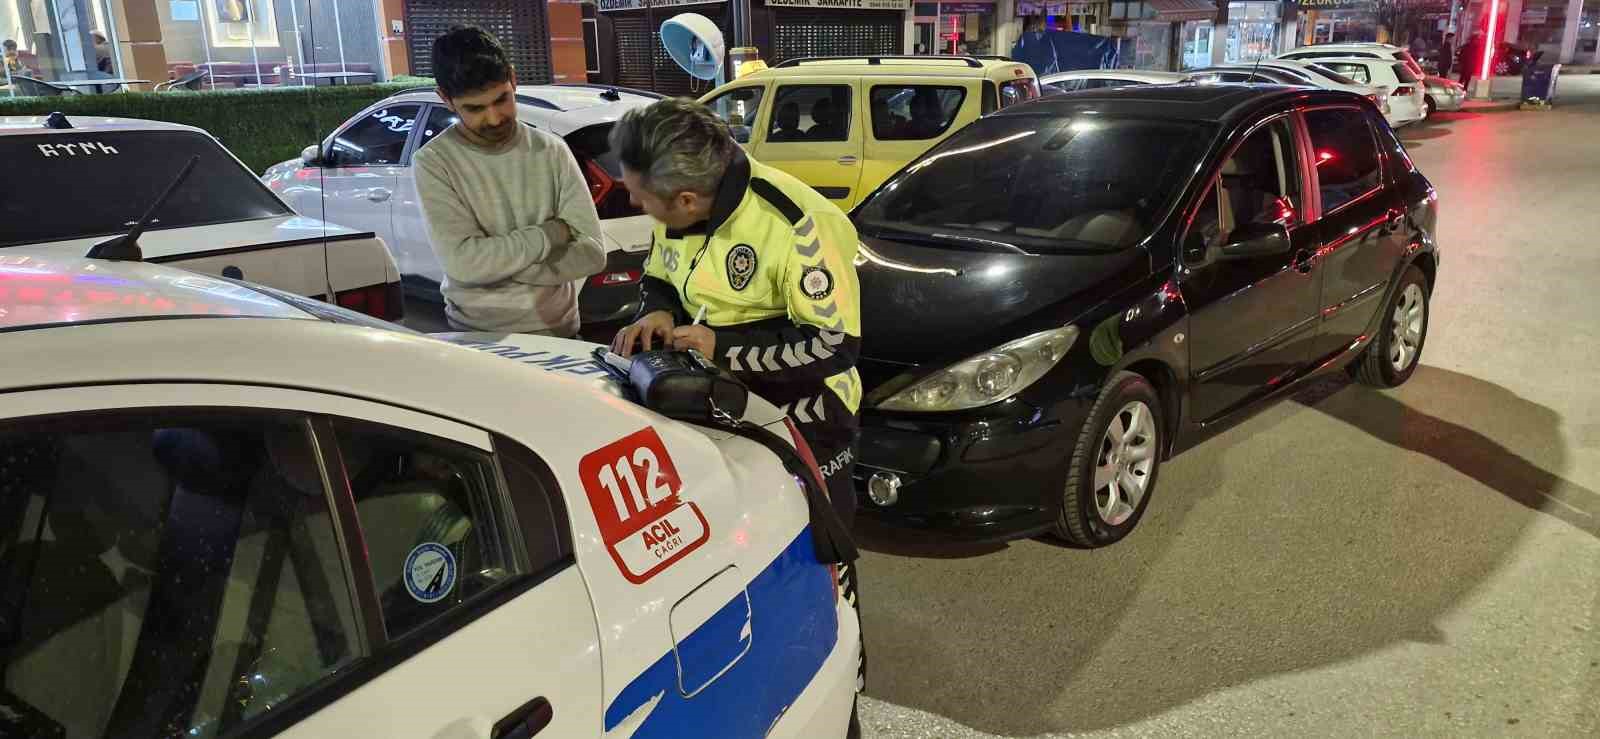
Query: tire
[1432, 107]
[1381, 365]
[1087, 518]
[854, 731]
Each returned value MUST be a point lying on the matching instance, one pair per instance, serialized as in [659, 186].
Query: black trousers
[837, 463]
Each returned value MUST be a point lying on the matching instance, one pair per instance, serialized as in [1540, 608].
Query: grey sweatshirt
[484, 210]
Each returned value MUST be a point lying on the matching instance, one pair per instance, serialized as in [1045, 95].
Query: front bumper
[993, 476]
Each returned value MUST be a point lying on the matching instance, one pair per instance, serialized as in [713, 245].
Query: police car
[72, 182]
[228, 510]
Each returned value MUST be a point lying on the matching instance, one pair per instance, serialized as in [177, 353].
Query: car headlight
[986, 378]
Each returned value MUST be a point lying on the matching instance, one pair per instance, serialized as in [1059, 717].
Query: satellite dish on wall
[695, 43]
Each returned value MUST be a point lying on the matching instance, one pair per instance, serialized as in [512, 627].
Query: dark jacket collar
[730, 193]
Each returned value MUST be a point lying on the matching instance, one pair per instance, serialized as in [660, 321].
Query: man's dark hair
[9, 44]
[467, 59]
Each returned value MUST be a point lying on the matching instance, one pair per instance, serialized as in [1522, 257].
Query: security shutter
[802, 32]
[522, 27]
[638, 45]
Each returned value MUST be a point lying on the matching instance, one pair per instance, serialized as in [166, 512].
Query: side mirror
[741, 134]
[311, 156]
[1254, 240]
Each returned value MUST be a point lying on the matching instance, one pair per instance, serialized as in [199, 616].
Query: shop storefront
[1050, 15]
[220, 43]
[1147, 35]
[965, 28]
[1340, 21]
[630, 50]
[802, 28]
[521, 26]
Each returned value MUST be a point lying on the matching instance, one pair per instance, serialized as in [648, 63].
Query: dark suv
[1068, 292]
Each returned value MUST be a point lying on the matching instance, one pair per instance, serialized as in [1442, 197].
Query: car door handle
[526, 721]
[379, 195]
[848, 161]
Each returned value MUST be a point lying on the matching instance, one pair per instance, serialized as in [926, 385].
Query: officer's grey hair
[676, 145]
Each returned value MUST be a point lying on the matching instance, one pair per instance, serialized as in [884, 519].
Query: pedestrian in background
[1445, 56]
[508, 210]
[1470, 58]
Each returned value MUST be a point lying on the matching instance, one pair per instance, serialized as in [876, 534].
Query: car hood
[921, 303]
[191, 241]
[574, 359]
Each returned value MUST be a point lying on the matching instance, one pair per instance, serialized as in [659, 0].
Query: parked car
[1442, 94]
[360, 176]
[246, 527]
[72, 182]
[1356, 50]
[1068, 293]
[1309, 74]
[1095, 79]
[843, 125]
[1257, 74]
[1408, 101]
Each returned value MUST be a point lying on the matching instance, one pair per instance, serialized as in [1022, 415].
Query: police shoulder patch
[741, 265]
[816, 282]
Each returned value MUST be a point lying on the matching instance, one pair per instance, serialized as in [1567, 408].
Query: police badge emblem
[816, 283]
[741, 265]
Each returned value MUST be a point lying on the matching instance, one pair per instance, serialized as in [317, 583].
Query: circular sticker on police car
[816, 283]
[430, 572]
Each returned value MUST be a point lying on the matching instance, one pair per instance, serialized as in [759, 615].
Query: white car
[1355, 50]
[238, 521]
[1443, 94]
[360, 176]
[1407, 96]
[1310, 74]
[72, 182]
[1094, 79]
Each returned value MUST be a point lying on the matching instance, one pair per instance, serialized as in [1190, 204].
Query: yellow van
[845, 124]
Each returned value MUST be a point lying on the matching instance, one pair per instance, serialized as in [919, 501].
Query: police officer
[770, 264]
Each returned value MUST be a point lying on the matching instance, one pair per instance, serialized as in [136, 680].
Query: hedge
[261, 126]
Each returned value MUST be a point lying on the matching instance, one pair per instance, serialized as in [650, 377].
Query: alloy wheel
[1126, 460]
[1405, 338]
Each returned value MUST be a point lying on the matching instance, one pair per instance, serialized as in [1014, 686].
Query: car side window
[165, 572]
[810, 113]
[914, 112]
[740, 108]
[432, 511]
[378, 138]
[1018, 91]
[439, 118]
[1345, 153]
[1064, 86]
[1357, 72]
[1258, 183]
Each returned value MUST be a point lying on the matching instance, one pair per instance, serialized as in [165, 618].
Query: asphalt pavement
[1417, 562]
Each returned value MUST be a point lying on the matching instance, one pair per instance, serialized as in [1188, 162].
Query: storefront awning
[1183, 10]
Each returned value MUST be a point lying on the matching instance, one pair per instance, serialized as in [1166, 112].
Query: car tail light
[609, 279]
[385, 301]
[610, 195]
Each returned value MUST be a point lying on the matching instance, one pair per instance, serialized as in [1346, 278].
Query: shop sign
[965, 8]
[1368, 5]
[842, 4]
[1535, 16]
[610, 5]
[1027, 8]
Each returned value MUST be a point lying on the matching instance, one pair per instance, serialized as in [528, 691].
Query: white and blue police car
[231, 511]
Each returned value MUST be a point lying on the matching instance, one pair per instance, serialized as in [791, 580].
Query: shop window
[1345, 153]
[914, 112]
[810, 113]
[233, 22]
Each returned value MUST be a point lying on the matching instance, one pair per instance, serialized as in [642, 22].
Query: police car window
[375, 139]
[810, 113]
[433, 516]
[164, 572]
[439, 118]
[740, 107]
[120, 173]
[1345, 153]
[914, 112]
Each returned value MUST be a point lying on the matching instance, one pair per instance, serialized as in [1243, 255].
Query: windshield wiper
[125, 248]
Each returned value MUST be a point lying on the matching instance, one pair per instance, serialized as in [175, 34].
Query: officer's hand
[699, 338]
[654, 328]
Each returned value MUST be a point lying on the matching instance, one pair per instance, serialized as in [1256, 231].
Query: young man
[768, 260]
[508, 209]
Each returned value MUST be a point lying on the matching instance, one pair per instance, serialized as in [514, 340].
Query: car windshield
[71, 185]
[1324, 72]
[1040, 183]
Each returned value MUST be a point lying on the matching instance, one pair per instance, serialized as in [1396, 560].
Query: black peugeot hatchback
[1064, 294]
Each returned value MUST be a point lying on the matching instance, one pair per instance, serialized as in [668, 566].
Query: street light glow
[1490, 43]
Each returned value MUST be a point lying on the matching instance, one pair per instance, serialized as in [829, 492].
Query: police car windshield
[1040, 184]
[71, 185]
